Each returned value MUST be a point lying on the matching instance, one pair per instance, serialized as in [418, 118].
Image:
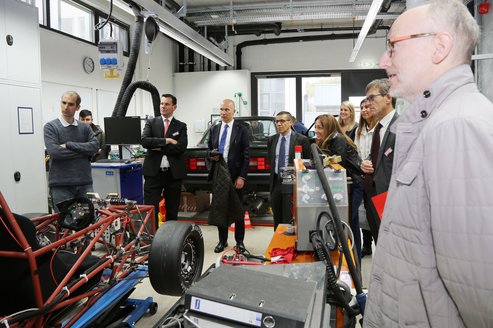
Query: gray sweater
[69, 166]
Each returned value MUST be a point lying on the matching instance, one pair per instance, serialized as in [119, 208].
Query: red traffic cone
[232, 227]
[248, 223]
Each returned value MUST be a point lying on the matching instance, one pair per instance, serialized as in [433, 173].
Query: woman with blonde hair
[347, 119]
[333, 141]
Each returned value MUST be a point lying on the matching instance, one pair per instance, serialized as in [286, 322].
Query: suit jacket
[295, 140]
[153, 139]
[239, 149]
[385, 158]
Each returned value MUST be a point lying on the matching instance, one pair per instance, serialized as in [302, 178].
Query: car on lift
[257, 183]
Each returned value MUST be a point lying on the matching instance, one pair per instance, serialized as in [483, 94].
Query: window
[114, 31]
[275, 95]
[73, 19]
[321, 95]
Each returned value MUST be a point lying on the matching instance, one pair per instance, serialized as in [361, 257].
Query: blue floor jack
[116, 295]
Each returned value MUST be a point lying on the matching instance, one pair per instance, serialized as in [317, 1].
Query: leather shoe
[366, 251]
[220, 247]
[240, 247]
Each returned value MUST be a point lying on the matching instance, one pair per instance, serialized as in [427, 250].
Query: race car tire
[176, 257]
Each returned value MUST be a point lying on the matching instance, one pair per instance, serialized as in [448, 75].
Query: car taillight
[259, 163]
[196, 164]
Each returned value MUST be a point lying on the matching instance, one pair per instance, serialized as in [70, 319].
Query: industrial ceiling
[280, 17]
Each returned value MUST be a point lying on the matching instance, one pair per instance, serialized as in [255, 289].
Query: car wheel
[176, 257]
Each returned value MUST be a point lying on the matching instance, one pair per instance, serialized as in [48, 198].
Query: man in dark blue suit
[165, 139]
[280, 197]
[230, 139]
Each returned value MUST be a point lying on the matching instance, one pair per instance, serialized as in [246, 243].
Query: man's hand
[216, 157]
[367, 167]
[171, 141]
[239, 183]
[63, 146]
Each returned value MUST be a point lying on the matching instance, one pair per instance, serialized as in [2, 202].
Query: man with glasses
[432, 266]
[378, 167]
[280, 149]
[70, 146]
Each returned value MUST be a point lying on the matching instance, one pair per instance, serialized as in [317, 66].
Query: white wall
[61, 70]
[312, 55]
[200, 94]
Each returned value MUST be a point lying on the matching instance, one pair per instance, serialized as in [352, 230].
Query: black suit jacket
[295, 140]
[153, 139]
[239, 149]
[385, 158]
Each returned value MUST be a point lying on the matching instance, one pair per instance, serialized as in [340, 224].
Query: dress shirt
[164, 160]
[286, 152]
[385, 121]
[65, 123]
[363, 142]
[228, 138]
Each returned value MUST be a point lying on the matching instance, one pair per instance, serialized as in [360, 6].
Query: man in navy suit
[165, 139]
[279, 197]
[231, 139]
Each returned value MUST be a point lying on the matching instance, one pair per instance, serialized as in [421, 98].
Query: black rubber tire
[153, 308]
[176, 257]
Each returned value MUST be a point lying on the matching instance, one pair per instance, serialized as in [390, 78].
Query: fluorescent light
[370, 18]
[181, 32]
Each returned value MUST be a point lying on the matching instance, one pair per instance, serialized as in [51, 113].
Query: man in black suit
[165, 139]
[378, 168]
[231, 139]
[286, 138]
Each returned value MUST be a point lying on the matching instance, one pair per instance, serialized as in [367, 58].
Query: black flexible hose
[132, 62]
[129, 92]
[337, 220]
[323, 255]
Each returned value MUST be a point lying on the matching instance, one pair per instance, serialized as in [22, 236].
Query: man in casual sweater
[70, 146]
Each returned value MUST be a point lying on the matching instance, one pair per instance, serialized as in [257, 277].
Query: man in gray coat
[433, 263]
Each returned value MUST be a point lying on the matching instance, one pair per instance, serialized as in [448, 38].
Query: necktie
[375, 145]
[222, 143]
[166, 126]
[282, 155]
[375, 148]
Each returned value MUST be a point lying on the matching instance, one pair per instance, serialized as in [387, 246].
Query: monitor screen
[122, 130]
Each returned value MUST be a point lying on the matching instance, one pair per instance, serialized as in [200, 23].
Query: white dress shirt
[228, 138]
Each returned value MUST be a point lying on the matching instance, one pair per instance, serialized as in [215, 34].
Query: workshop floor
[256, 241]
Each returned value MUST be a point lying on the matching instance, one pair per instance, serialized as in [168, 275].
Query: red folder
[379, 203]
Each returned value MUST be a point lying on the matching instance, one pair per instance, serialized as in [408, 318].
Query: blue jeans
[60, 193]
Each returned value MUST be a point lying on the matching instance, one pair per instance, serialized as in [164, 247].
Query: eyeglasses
[393, 41]
[280, 121]
[372, 97]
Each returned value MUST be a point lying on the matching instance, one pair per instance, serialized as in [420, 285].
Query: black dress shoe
[220, 247]
[240, 247]
[366, 251]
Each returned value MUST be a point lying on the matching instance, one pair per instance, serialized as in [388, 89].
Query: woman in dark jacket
[331, 139]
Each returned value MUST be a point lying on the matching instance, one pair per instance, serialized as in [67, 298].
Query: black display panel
[122, 130]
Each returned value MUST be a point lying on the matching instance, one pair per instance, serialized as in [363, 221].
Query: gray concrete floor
[256, 241]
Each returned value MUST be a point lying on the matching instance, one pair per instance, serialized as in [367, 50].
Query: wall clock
[88, 65]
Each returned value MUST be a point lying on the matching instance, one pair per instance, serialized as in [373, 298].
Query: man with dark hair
[85, 116]
[166, 140]
[70, 146]
[280, 148]
[378, 168]
[432, 266]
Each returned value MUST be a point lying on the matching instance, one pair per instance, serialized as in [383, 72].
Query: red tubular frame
[126, 256]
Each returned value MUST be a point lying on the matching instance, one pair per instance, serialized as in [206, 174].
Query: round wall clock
[88, 65]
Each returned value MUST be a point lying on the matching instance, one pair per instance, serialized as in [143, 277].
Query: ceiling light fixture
[370, 18]
[173, 27]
